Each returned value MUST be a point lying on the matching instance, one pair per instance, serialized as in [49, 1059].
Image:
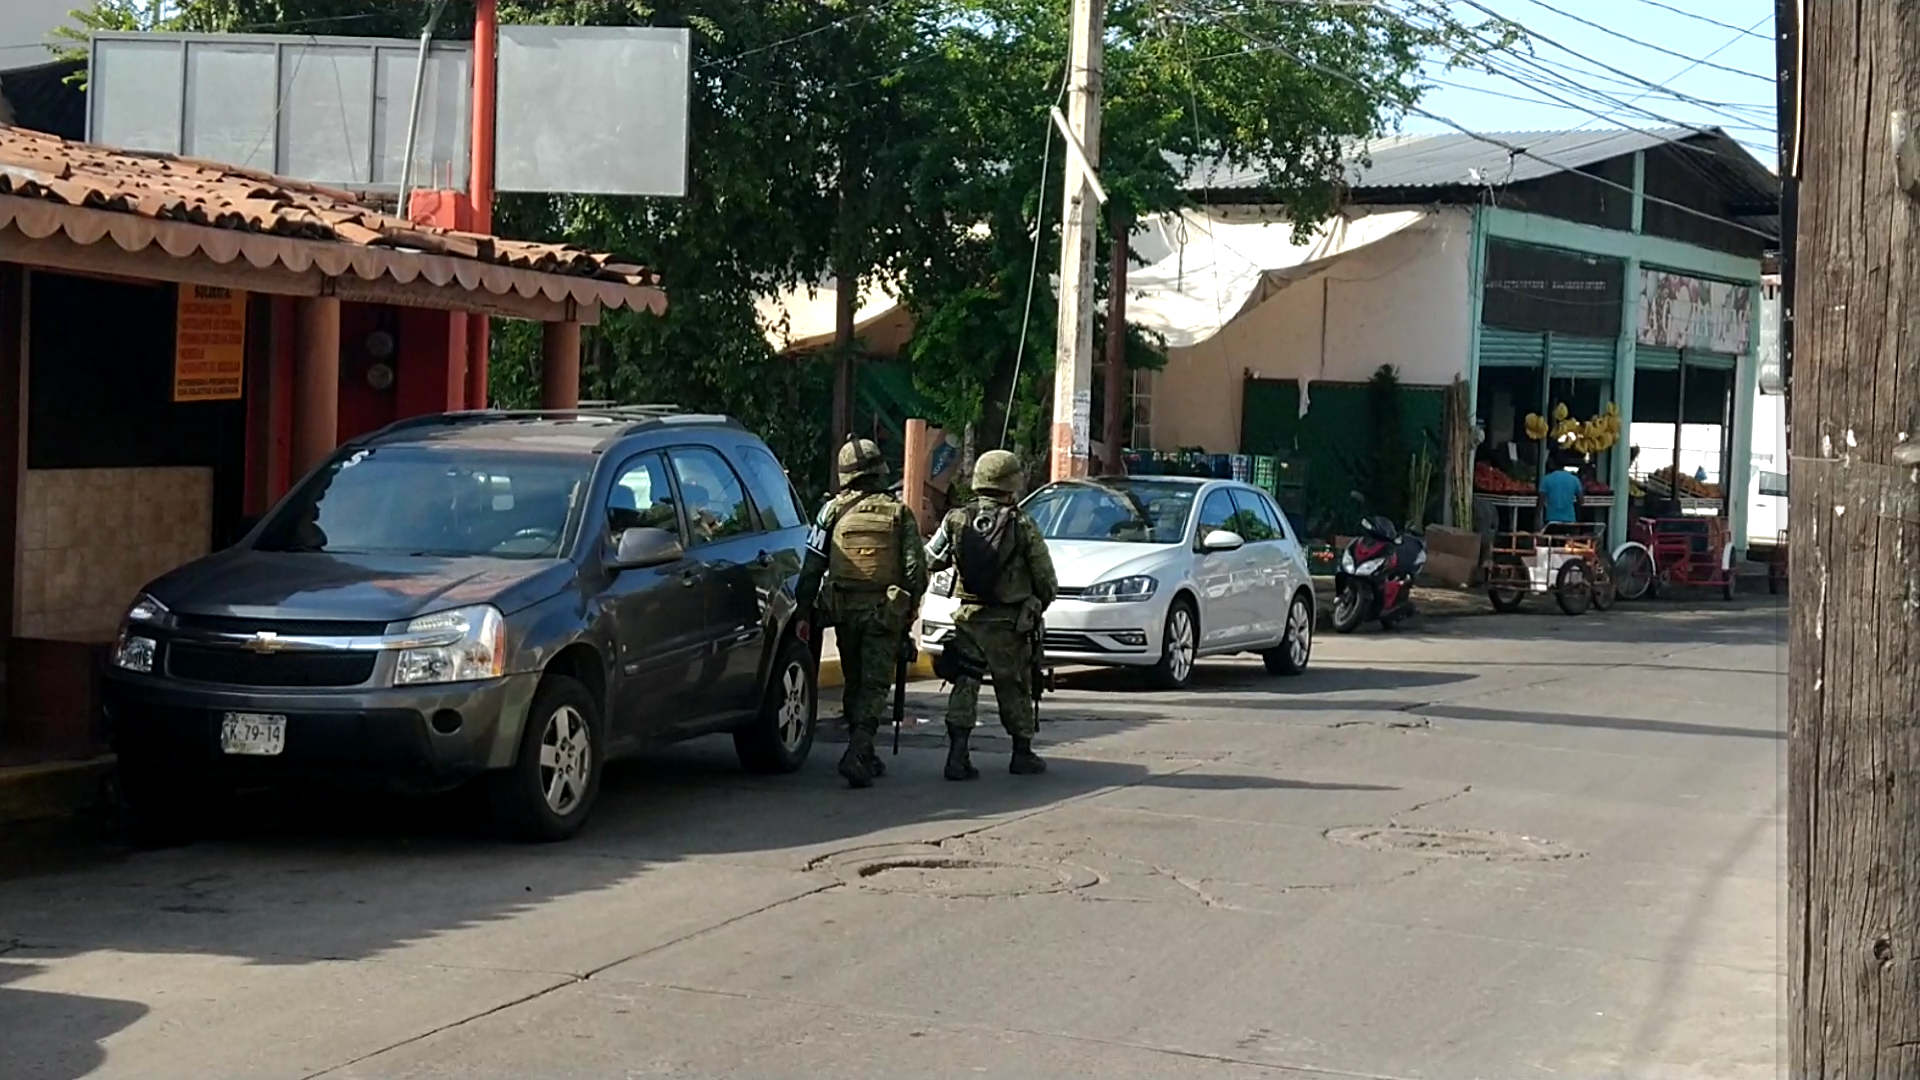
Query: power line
[1705, 19]
[1701, 62]
[1564, 83]
[1534, 34]
[1510, 148]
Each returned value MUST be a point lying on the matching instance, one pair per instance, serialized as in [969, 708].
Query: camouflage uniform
[870, 624]
[997, 633]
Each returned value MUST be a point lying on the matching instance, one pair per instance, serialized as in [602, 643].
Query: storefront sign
[209, 344]
[1536, 288]
[1680, 312]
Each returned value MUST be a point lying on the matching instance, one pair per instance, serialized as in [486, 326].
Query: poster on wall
[209, 344]
[1681, 312]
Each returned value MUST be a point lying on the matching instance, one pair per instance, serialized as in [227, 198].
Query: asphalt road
[1493, 847]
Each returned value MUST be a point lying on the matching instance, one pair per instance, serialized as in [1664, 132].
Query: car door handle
[690, 577]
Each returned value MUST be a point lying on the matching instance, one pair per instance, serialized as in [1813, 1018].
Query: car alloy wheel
[1299, 632]
[1180, 644]
[566, 760]
[793, 705]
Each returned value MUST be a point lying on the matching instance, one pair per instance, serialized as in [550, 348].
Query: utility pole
[1113, 420]
[1853, 757]
[1079, 237]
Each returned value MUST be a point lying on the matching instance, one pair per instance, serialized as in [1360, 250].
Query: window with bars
[1140, 405]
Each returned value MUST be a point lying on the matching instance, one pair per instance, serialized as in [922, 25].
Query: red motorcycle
[1374, 577]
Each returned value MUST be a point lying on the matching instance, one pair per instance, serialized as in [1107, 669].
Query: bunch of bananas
[1581, 436]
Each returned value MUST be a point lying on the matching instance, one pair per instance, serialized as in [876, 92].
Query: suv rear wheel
[553, 782]
[779, 739]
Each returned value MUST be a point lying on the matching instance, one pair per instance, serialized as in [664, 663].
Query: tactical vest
[864, 554]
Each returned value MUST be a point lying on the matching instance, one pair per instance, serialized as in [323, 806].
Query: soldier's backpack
[864, 553]
[984, 547]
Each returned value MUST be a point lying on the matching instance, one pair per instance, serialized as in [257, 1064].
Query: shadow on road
[1212, 677]
[52, 1036]
[1235, 782]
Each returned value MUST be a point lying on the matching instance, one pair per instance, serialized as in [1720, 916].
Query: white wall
[1404, 301]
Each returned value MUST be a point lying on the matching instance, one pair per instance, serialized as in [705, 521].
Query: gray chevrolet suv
[509, 597]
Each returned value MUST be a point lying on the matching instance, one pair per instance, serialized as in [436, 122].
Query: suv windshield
[433, 500]
[1119, 511]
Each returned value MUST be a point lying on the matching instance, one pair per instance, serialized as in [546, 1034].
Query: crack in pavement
[566, 980]
[930, 1023]
[1429, 804]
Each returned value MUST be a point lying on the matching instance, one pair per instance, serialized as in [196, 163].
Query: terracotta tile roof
[165, 188]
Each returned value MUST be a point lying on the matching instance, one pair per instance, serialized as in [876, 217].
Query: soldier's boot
[1025, 761]
[876, 766]
[853, 763]
[959, 761]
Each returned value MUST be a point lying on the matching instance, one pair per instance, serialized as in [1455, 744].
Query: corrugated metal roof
[1456, 160]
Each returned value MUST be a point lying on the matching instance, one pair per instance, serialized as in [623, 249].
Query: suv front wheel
[551, 787]
[780, 737]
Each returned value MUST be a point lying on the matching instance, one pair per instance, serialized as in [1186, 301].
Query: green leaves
[909, 139]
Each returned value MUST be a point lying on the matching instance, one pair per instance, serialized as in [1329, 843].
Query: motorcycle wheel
[1350, 606]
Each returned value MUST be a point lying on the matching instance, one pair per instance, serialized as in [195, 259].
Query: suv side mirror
[1222, 540]
[643, 547]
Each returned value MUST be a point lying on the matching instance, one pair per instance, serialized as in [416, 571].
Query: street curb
[832, 678]
[53, 789]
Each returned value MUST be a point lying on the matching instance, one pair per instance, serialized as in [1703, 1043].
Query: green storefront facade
[1665, 329]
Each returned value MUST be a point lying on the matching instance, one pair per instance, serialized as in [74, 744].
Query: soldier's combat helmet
[998, 471]
[860, 457]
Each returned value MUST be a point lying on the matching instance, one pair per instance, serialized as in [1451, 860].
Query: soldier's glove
[909, 652]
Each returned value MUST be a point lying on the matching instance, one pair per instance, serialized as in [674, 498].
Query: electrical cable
[1697, 62]
[1705, 19]
[1511, 148]
[1039, 242]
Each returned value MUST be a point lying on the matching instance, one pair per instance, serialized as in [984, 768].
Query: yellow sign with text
[209, 344]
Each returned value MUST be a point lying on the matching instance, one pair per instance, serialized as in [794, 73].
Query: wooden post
[1853, 759]
[1079, 237]
[1120, 220]
[316, 382]
[560, 365]
[917, 459]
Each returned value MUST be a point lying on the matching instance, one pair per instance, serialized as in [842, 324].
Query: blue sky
[1740, 100]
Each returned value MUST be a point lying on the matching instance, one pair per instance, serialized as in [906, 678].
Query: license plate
[253, 734]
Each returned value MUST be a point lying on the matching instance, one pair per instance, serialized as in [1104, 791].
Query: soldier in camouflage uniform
[994, 628]
[866, 546]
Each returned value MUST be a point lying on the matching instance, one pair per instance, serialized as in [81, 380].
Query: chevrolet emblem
[264, 642]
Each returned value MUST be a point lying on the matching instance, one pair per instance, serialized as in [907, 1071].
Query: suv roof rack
[632, 415]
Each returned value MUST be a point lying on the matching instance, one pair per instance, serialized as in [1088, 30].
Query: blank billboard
[330, 110]
[593, 110]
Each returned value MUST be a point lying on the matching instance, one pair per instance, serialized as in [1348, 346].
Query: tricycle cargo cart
[1685, 552]
[1568, 561]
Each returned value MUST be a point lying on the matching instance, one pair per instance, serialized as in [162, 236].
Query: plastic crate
[1241, 467]
[1266, 474]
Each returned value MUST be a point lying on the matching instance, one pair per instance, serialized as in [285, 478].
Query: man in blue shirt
[1560, 491]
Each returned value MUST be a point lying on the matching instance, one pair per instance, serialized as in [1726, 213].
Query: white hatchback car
[1157, 571]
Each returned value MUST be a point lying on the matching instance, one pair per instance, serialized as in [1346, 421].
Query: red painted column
[560, 365]
[316, 381]
[486, 42]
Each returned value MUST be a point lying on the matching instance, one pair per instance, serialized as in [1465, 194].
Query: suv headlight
[462, 645]
[136, 648]
[942, 584]
[1120, 590]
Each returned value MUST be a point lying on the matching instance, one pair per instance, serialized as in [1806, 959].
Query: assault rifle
[909, 652]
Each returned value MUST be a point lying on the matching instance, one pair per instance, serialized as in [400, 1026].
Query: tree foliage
[908, 140]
